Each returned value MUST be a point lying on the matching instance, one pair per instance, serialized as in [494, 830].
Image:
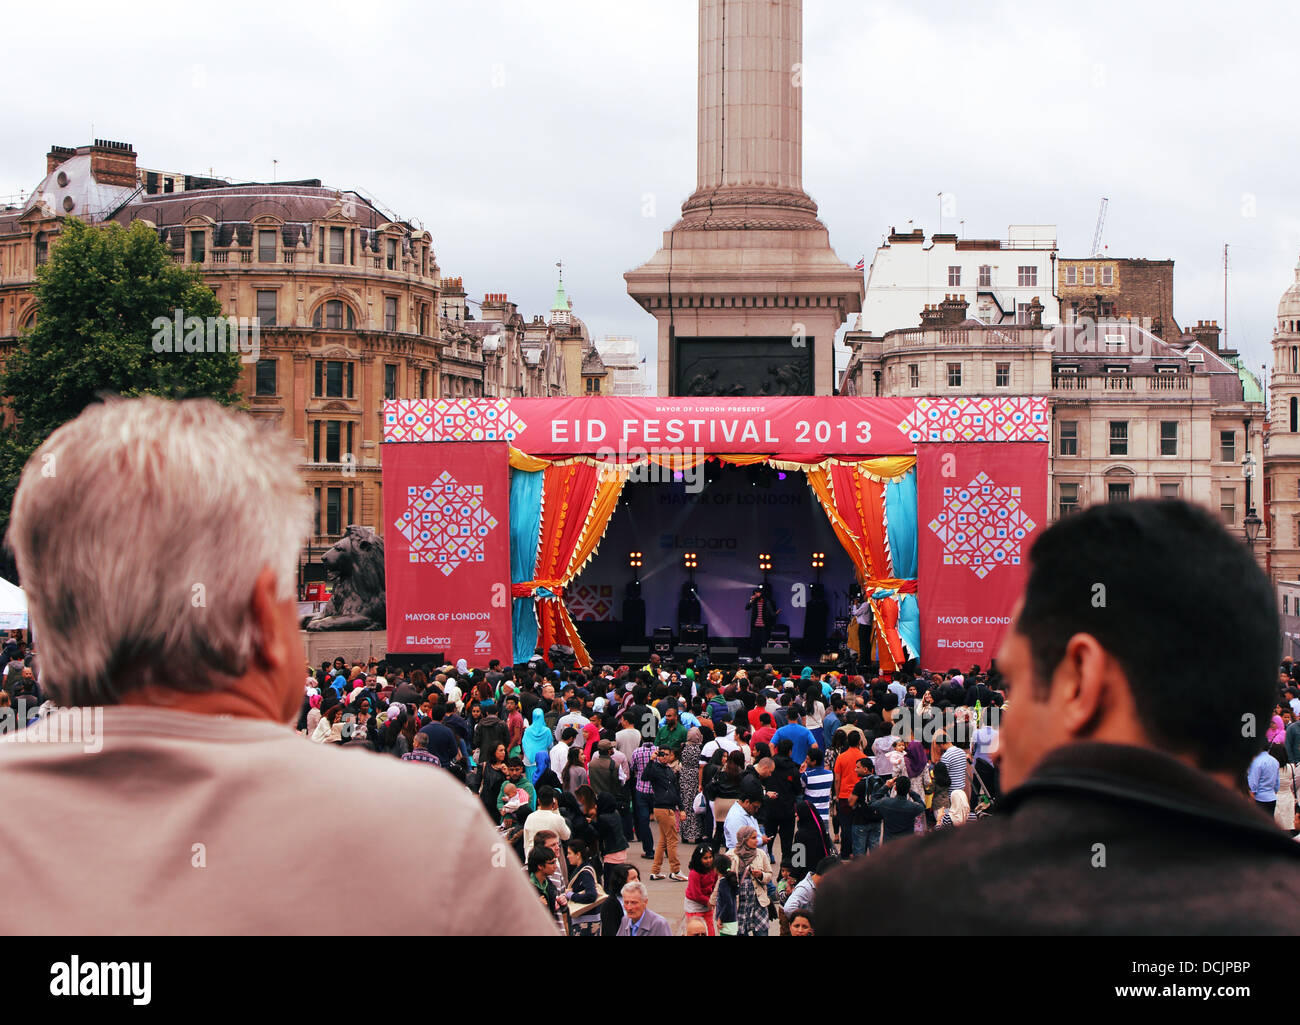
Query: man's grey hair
[139, 529]
[635, 886]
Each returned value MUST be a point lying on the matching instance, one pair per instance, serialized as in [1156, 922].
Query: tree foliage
[97, 300]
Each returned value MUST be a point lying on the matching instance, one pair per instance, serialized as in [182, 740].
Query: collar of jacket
[1143, 776]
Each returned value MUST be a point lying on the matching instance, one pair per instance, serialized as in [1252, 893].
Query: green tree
[98, 298]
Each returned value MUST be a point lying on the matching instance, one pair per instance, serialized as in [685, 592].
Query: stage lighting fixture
[634, 560]
[764, 562]
[818, 560]
[690, 560]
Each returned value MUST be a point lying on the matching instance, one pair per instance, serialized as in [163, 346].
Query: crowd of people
[772, 778]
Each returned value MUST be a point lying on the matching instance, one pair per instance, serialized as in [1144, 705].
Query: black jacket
[665, 783]
[1182, 854]
[490, 732]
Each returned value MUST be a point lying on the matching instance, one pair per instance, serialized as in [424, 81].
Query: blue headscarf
[542, 763]
[537, 738]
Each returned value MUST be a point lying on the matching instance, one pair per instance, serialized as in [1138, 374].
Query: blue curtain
[909, 623]
[900, 511]
[525, 521]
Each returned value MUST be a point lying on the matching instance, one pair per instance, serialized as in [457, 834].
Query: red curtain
[577, 502]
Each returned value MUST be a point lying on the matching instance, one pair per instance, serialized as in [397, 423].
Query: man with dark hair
[1140, 672]
[442, 741]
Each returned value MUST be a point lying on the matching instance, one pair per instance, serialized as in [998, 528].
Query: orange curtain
[854, 500]
[578, 500]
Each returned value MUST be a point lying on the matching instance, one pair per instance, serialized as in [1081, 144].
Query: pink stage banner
[979, 508]
[447, 550]
[808, 428]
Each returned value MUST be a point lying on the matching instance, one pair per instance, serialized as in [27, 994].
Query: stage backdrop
[446, 550]
[980, 507]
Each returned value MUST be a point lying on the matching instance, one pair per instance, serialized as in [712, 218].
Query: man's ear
[1081, 685]
[272, 651]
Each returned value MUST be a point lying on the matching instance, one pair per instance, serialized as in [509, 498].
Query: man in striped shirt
[817, 784]
[954, 759]
[643, 797]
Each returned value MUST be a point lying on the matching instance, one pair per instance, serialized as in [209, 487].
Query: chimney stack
[953, 309]
[1207, 333]
[113, 163]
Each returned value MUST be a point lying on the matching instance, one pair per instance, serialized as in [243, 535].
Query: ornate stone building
[1282, 453]
[351, 305]
[1133, 416]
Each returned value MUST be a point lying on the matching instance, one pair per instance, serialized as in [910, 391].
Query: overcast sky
[522, 132]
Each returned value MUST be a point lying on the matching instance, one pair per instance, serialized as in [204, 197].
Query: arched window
[1295, 415]
[334, 315]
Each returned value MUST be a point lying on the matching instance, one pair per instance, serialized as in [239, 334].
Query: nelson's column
[747, 292]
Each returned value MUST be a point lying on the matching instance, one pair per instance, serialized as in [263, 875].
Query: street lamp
[1252, 522]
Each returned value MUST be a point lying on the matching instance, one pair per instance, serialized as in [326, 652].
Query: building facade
[1102, 287]
[1282, 456]
[351, 306]
[1000, 278]
[1132, 415]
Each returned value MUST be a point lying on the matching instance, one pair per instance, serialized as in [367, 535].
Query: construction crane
[1101, 223]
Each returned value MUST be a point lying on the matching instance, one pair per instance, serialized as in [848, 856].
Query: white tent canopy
[13, 607]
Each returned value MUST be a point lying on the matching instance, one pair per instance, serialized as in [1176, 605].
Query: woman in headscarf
[462, 669]
[537, 737]
[1277, 727]
[689, 783]
[957, 812]
[810, 837]
[494, 775]
[753, 873]
[916, 766]
[313, 715]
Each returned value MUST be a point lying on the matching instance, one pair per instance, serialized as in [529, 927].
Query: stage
[514, 525]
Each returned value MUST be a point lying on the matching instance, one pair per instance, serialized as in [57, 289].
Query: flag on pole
[862, 264]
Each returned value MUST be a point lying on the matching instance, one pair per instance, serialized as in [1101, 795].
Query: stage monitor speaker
[409, 661]
[776, 654]
[694, 633]
[635, 651]
[663, 640]
[724, 653]
[688, 651]
[780, 632]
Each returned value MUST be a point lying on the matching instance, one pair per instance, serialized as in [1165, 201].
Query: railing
[1120, 382]
[993, 337]
[289, 257]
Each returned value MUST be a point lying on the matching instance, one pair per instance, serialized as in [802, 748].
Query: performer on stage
[762, 614]
[860, 628]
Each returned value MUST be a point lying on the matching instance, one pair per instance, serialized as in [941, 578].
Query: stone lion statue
[355, 568]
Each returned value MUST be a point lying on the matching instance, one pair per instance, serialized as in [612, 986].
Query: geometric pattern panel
[982, 525]
[591, 602]
[445, 523]
[450, 420]
[979, 419]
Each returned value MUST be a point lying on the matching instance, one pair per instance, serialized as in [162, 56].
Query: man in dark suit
[1147, 641]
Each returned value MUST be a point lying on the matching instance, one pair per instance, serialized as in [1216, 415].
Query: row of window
[335, 245]
[1089, 276]
[1001, 375]
[1068, 494]
[1068, 439]
[1026, 276]
[332, 379]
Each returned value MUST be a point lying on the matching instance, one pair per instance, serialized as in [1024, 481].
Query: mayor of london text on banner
[447, 514]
